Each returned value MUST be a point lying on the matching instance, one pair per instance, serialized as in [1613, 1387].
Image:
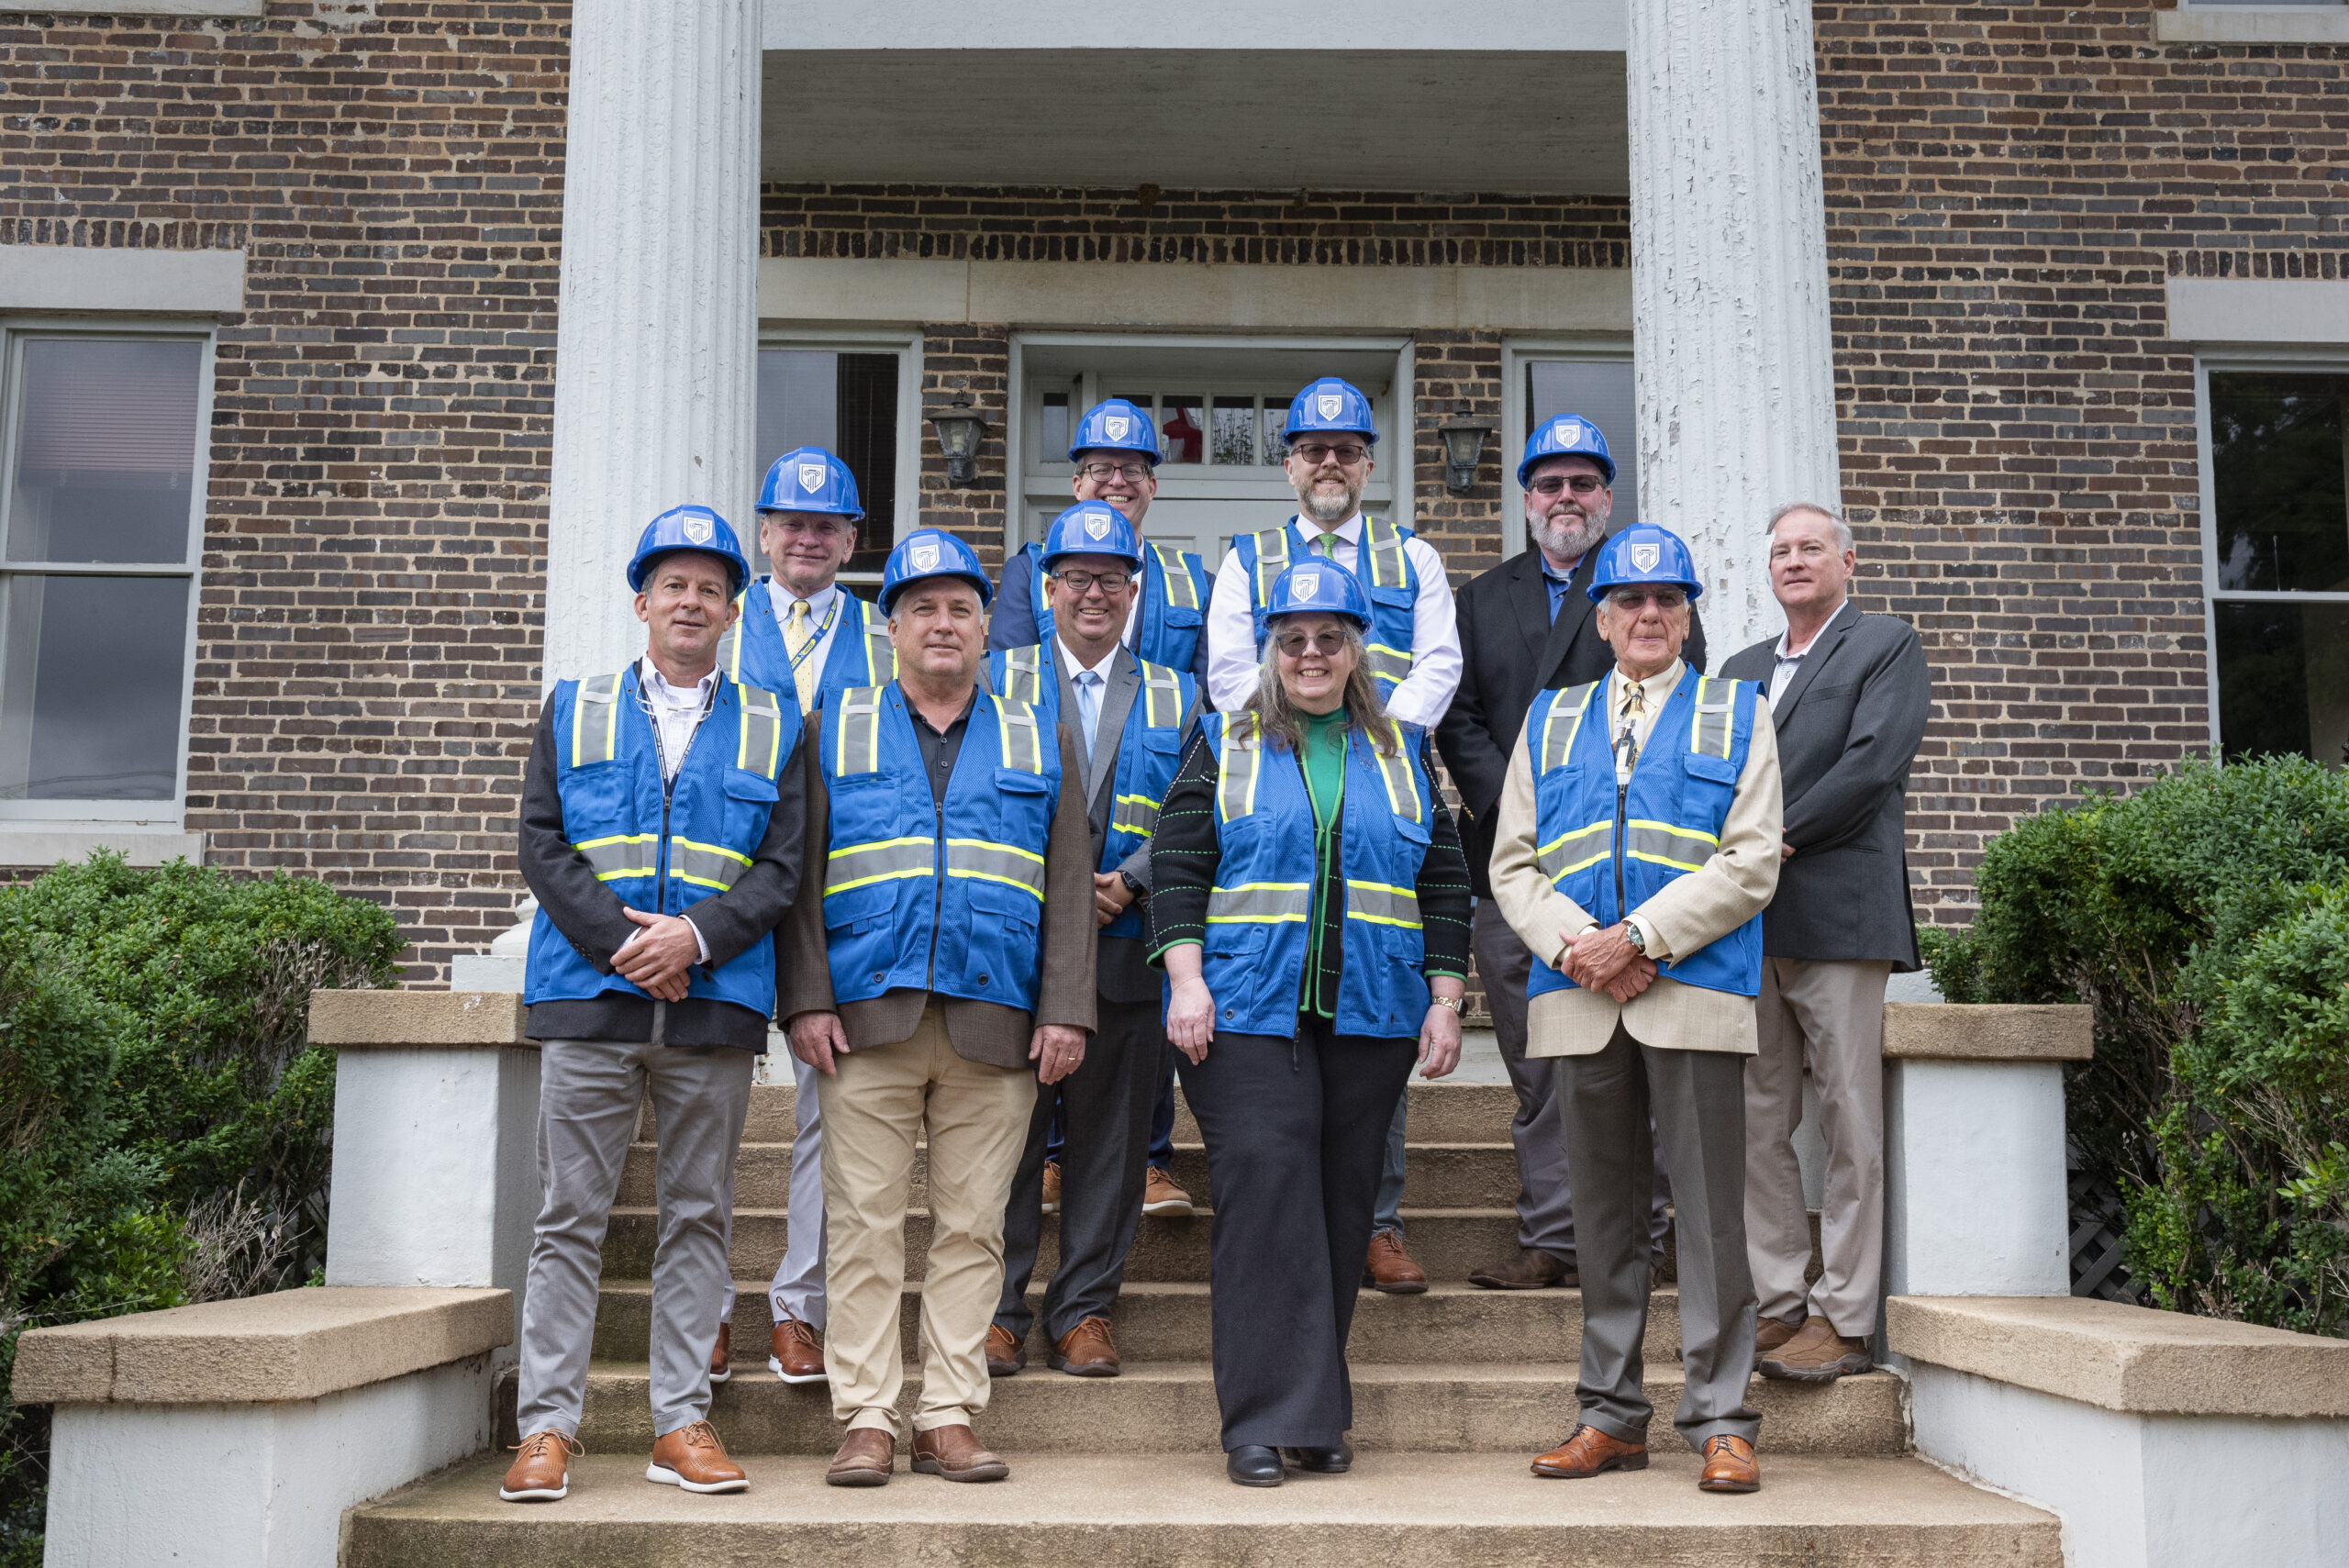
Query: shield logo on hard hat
[924, 556]
[1645, 556]
[1568, 432]
[1330, 403]
[1097, 528]
[811, 477]
[1307, 586]
[1114, 426]
[698, 530]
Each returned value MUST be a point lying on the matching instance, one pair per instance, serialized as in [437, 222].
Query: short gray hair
[1841, 529]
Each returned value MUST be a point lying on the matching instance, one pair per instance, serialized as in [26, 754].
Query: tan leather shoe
[1817, 1355]
[952, 1454]
[1531, 1269]
[1769, 1333]
[1086, 1350]
[796, 1352]
[867, 1457]
[1051, 1186]
[540, 1472]
[691, 1458]
[1589, 1452]
[1006, 1355]
[718, 1369]
[1730, 1466]
[1390, 1268]
[1160, 1196]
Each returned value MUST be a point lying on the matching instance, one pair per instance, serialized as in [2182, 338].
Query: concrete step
[1169, 1407]
[1446, 1242]
[1166, 1322]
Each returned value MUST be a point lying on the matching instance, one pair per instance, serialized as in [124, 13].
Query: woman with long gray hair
[1309, 906]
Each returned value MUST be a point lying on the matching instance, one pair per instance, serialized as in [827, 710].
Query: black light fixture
[960, 429]
[1463, 447]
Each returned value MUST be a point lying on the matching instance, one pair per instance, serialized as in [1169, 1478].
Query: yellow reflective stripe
[1023, 674]
[615, 857]
[985, 860]
[1272, 560]
[1573, 851]
[1162, 697]
[1564, 719]
[1260, 904]
[1182, 590]
[1383, 904]
[1392, 665]
[729, 644]
[596, 721]
[718, 850]
[1382, 549]
[1023, 745]
[880, 653]
[758, 748]
[859, 731]
[1235, 785]
[1402, 789]
[1710, 729]
[887, 861]
[1660, 843]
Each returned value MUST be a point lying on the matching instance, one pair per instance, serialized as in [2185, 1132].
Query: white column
[656, 343]
[1735, 367]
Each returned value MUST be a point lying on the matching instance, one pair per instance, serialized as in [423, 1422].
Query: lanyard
[816, 638]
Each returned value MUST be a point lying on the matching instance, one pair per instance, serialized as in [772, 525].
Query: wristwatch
[1631, 935]
[1459, 1005]
[1134, 884]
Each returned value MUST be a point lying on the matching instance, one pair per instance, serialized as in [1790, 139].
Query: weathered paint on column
[1735, 364]
[656, 344]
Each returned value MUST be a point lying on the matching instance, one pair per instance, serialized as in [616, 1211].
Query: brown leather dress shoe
[867, 1457]
[1531, 1269]
[540, 1472]
[1589, 1452]
[718, 1371]
[1161, 1195]
[1086, 1350]
[1051, 1186]
[1817, 1355]
[1389, 1269]
[1769, 1333]
[691, 1458]
[1006, 1355]
[1730, 1466]
[796, 1352]
[952, 1454]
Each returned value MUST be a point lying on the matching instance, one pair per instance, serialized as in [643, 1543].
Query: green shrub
[2206, 920]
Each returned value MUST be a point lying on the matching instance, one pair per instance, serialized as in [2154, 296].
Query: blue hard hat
[1091, 528]
[931, 552]
[1644, 553]
[810, 479]
[1568, 435]
[688, 527]
[1116, 426]
[1318, 585]
[1331, 406]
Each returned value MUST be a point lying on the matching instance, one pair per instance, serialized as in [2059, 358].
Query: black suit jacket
[1849, 722]
[1510, 649]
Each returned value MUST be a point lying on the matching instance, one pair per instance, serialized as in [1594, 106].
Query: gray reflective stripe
[1382, 904]
[1392, 665]
[1016, 724]
[1161, 692]
[596, 721]
[1272, 560]
[759, 748]
[1685, 849]
[1402, 788]
[1134, 814]
[706, 865]
[1259, 903]
[879, 860]
[1709, 731]
[880, 653]
[1558, 730]
[1235, 785]
[1382, 552]
[989, 861]
[1182, 589]
[859, 732]
[1023, 674]
[1573, 851]
[622, 855]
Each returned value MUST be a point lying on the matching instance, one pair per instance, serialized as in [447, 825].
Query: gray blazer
[1849, 722]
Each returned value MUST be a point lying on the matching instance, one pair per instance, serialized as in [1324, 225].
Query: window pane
[1229, 433]
[106, 451]
[2283, 678]
[1275, 441]
[1183, 428]
[1600, 391]
[2276, 467]
[847, 404]
[1051, 430]
[91, 677]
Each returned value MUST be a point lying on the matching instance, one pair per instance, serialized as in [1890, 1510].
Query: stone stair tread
[1449, 1373]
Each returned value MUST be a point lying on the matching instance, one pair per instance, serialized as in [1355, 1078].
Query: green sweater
[1324, 760]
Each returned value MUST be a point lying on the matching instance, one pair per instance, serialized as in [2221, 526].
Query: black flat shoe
[1321, 1461]
[1254, 1464]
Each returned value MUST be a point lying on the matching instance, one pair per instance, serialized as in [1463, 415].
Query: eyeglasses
[1580, 484]
[1313, 455]
[1099, 471]
[1293, 644]
[1633, 598]
[1082, 582]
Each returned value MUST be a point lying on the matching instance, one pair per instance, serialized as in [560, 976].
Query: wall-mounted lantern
[1463, 447]
[960, 429]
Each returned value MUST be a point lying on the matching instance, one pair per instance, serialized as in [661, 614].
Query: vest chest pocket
[1394, 597]
[1711, 784]
[750, 801]
[596, 800]
[860, 909]
[1236, 939]
[1014, 907]
[1180, 618]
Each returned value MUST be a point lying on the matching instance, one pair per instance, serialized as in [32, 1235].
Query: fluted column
[1735, 364]
[656, 345]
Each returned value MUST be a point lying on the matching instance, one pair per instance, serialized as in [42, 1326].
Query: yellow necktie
[795, 638]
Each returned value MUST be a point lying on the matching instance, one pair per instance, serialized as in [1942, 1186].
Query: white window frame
[1515, 354]
[906, 343]
[171, 814]
[2324, 360]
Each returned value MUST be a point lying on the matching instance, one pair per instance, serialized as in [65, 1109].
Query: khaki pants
[1830, 1014]
[873, 1110]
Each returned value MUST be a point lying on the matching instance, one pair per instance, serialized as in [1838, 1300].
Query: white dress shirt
[1424, 694]
[820, 604]
[1070, 662]
[676, 713]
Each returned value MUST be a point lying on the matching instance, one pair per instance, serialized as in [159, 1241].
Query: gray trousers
[1104, 1109]
[1696, 1099]
[589, 1093]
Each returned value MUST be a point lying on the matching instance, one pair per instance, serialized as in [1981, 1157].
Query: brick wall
[374, 551]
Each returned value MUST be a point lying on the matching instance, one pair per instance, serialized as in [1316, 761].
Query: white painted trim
[2279, 311]
[26, 844]
[1143, 295]
[2252, 24]
[907, 346]
[2209, 500]
[108, 278]
[1414, 26]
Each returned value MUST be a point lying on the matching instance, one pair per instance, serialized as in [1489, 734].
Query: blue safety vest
[899, 866]
[1150, 749]
[1174, 585]
[752, 649]
[661, 852]
[1261, 907]
[1611, 854]
[1385, 568]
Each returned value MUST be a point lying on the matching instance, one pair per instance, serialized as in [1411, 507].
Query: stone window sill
[2250, 23]
[45, 844]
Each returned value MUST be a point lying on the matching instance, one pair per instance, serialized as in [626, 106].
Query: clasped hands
[1603, 959]
[658, 954]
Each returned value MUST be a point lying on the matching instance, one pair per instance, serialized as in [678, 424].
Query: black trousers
[1297, 1135]
[1104, 1109]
